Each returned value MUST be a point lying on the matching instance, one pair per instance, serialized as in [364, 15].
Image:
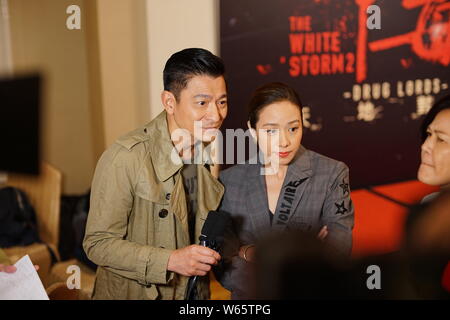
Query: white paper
[24, 284]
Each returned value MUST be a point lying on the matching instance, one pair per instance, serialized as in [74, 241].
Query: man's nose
[213, 113]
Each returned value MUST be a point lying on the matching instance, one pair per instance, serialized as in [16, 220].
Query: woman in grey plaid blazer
[295, 189]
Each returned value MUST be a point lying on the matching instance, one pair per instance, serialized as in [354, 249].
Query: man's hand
[12, 269]
[194, 260]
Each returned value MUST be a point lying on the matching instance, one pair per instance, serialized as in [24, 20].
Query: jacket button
[168, 196]
[163, 213]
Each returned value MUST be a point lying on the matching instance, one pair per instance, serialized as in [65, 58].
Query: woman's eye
[293, 129]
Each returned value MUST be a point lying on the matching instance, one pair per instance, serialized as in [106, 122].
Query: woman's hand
[247, 253]
[323, 233]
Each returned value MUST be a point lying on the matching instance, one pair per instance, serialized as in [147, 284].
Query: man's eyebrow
[205, 96]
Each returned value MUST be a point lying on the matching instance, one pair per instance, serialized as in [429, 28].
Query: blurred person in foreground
[297, 265]
[427, 247]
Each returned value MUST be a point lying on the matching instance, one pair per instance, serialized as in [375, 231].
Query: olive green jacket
[138, 216]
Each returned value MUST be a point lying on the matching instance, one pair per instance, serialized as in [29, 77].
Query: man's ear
[168, 100]
[252, 131]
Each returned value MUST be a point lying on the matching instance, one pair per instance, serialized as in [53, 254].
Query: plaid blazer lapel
[295, 183]
[257, 206]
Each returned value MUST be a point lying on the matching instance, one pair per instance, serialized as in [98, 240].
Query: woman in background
[295, 188]
[435, 157]
[427, 238]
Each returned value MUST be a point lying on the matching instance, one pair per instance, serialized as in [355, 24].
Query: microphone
[210, 237]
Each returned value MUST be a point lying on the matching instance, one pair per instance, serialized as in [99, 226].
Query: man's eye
[201, 103]
[439, 139]
[223, 103]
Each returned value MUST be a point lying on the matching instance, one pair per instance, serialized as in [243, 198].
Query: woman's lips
[283, 154]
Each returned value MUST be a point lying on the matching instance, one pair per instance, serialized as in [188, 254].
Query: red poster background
[365, 90]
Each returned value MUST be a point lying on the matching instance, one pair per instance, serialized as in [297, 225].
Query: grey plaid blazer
[315, 193]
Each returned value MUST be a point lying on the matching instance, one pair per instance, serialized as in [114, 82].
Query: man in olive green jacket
[145, 218]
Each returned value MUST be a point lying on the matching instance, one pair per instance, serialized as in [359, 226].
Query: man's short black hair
[187, 63]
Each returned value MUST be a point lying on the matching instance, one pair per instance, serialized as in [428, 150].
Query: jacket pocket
[109, 286]
[150, 189]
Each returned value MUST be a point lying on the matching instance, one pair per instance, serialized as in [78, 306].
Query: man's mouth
[210, 128]
[426, 164]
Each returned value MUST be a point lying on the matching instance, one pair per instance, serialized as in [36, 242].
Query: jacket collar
[164, 156]
[167, 163]
[300, 166]
[299, 169]
[165, 159]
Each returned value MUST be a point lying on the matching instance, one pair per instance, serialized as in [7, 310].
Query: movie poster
[367, 72]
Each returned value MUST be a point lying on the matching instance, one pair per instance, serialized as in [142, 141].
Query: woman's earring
[252, 132]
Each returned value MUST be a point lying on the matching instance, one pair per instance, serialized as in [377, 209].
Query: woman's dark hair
[441, 104]
[185, 64]
[268, 94]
